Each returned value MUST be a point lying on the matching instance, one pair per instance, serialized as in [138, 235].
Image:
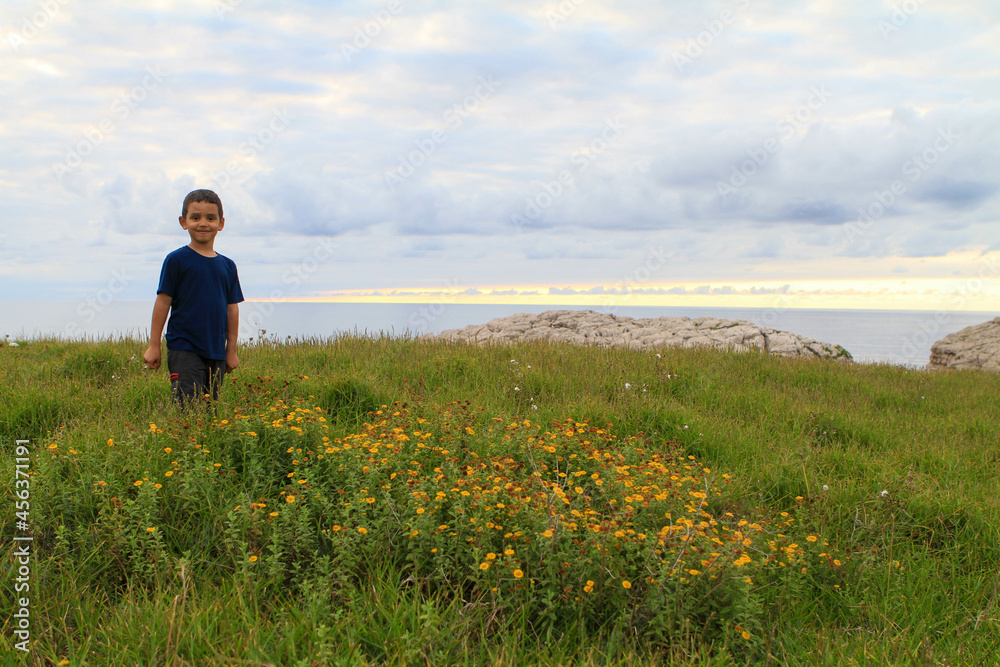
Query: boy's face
[202, 222]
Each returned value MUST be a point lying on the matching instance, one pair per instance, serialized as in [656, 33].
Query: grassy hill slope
[387, 501]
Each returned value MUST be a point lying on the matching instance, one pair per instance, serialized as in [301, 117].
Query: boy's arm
[232, 333]
[160, 310]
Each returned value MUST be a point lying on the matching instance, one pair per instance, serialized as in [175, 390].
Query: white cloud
[81, 95]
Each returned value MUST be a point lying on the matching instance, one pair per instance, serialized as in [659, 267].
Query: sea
[899, 337]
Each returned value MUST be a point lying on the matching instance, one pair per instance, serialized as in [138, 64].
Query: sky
[821, 154]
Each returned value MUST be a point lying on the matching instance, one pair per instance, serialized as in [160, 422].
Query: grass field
[388, 501]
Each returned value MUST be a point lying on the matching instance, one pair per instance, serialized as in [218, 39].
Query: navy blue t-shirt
[201, 288]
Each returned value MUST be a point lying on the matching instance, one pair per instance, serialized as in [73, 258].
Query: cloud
[591, 144]
[954, 194]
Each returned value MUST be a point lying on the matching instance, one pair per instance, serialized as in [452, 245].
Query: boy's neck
[203, 249]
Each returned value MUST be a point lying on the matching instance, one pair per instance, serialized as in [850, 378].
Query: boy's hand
[152, 357]
[232, 361]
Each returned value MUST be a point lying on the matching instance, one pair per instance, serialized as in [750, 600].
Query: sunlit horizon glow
[974, 285]
[949, 294]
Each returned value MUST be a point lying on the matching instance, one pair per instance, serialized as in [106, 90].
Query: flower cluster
[516, 507]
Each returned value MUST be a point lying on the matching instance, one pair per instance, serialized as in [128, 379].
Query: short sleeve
[168, 277]
[235, 293]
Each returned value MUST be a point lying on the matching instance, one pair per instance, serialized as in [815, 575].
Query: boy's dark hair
[201, 196]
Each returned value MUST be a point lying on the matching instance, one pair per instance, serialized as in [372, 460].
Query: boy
[200, 289]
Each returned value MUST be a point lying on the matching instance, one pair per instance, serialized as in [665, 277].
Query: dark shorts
[192, 376]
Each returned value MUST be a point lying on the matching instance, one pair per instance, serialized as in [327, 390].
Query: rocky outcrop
[976, 347]
[587, 327]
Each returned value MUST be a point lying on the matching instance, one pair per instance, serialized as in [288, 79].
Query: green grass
[868, 496]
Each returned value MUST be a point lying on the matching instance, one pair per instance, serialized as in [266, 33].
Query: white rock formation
[587, 327]
[976, 347]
